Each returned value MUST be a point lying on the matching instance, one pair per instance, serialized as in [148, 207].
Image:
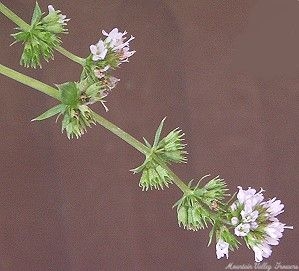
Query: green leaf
[69, 93]
[37, 14]
[51, 112]
[158, 133]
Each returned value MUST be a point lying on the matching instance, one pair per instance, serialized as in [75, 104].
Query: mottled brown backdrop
[226, 72]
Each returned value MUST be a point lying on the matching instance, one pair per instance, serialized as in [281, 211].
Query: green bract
[169, 149]
[41, 38]
[75, 98]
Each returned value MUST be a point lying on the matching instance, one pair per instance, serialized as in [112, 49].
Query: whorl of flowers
[164, 151]
[75, 100]
[42, 36]
[195, 209]
[109, 53]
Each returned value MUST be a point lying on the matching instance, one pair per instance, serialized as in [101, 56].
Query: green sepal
[93, 90]
[211, 235]
[171, 147]
[213, 191]
[37, 14]
[228, 237]
[146, 142]
[69, 93]
[21, 36]
[58, 109]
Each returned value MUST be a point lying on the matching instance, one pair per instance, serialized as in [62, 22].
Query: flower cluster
[116, 44]
[254, 220]
[196, 206]
[167, 150]
[41, 37]
[107, 55]
[75, 98]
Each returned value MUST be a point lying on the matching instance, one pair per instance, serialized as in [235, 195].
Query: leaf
[51, 112]
[37, 14]
[158, 133]
[69, 93]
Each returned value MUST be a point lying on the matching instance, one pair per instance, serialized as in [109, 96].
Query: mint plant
[244, 216]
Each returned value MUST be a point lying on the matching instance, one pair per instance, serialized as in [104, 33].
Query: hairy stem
[26, 80]
[14, 17]
[70, 55]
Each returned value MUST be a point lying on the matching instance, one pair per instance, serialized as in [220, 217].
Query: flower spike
[245, 216]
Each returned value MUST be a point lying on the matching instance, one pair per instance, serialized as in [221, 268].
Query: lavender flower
[222, 249]
[98, 51]
[255, 220]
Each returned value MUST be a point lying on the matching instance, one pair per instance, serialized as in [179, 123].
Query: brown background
[226, 72]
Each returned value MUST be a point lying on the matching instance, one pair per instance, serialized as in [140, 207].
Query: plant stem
[24, 26]
[70, 55]
[121, 134]
[13, 17]
[26, 80]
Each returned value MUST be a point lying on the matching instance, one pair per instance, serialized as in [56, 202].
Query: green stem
[26, 27]
[121, 134]
[70, 55]
[14, 17]
[28, 81]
